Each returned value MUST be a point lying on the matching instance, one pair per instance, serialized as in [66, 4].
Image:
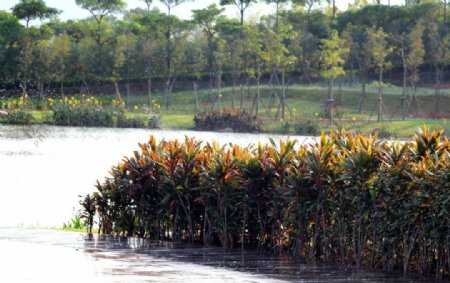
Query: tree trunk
[168, 64]
[116, 87]
[308, 16]
[414, 95]
[234, 86]
[352, 75]
[128, 89]
[330, 101]
[438, 89]
[62, 88]
[403, 97]
[219, 87]
[149, 89]
[445, 11]
[283, 103]
[339, 96]
[26, 60]
[242, 96]
[277, 14]
[257, 91]
[380, 94]
[166, 93]
[334, 9]
[40, 86]
[196, 95]
[363, 94]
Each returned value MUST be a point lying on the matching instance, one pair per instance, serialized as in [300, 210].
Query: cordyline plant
[347, 198]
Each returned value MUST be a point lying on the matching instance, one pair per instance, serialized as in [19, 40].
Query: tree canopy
[29, 10]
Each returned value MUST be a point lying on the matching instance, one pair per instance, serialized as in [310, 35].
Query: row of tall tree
[300, 41]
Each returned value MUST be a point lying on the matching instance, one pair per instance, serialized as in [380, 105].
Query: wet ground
[31, 255]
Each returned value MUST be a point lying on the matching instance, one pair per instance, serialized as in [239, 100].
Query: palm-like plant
[88, 211]
[349, 198]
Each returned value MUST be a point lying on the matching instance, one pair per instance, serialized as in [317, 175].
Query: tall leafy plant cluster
[347, 198]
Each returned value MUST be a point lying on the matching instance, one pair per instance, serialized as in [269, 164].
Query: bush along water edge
[234, 120]
[348, 198]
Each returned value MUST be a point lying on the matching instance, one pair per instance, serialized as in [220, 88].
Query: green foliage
[122, 121]
[125, 122]
[75, 223]
[87, 212]
[33, 9]
[234, 120]
[378, 48]
[286, 127]
[416, 52]
[334, 54]
[17, 117]
[101, 7]
[153, 52]
[87, 113]
[382, 132]
[274, 51]
[10, 35]
[154, 121]
[307, 128]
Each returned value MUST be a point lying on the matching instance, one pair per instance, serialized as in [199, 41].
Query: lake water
[44, 169]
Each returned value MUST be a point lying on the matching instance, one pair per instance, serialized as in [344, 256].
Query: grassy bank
[304, 103]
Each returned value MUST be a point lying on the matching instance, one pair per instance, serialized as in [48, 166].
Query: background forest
[143, 52]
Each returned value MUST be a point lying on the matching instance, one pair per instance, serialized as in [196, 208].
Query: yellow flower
[136, 107]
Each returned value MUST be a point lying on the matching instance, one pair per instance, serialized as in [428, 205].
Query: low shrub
[307, 128]
[17, 117]
[382, 132]
[85, 115]
[123, 122]
[154, 121]
[131, 123]
[286, 127]
[75, 223]
[221, 120]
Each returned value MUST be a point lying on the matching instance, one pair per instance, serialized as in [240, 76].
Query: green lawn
[303, 103]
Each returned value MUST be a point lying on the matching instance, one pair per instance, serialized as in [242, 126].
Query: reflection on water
[43, 169]
[53, 256]
[31, 255]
